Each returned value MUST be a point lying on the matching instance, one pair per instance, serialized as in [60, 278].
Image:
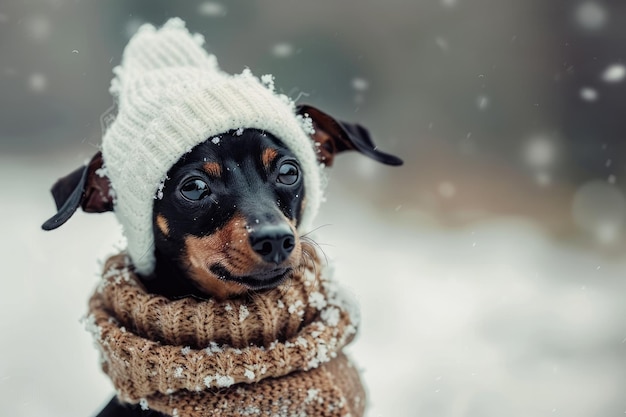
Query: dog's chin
[260, 281]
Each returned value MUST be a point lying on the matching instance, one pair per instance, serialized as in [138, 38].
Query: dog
[225, 221]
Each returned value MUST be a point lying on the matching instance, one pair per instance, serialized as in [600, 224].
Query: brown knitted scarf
[275, 353]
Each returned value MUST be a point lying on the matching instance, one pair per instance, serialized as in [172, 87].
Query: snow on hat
[172, 96]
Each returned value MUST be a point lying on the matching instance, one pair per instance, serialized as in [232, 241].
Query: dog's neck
[171, 356]
[168, 280]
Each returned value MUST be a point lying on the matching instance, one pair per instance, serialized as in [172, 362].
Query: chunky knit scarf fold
[276, 353]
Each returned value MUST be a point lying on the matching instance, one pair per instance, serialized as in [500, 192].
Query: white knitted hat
[172, 96]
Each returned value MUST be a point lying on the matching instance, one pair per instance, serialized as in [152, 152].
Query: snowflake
[268, 80]
[213, 348]
[296, 308]
[143, 403]
[306, 123]
[317, 300]
[282, 50]
[331, 316]
[211, 9]
[160, 187]
[243, 313]
[311, 395]
[224, 381]
[360, 84]
[614, 73]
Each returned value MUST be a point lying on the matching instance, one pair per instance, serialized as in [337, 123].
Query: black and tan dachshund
[225, 222]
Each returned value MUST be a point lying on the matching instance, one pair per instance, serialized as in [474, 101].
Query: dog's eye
[288, 174]
[195, 190]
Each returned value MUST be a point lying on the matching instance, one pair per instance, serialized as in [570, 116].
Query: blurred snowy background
[490, 268]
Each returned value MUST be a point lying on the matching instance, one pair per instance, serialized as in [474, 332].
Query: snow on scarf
[275, 353]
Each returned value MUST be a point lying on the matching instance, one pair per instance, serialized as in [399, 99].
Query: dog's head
[226, 218]
[228, 213]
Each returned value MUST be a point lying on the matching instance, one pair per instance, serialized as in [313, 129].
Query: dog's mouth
[260, 281]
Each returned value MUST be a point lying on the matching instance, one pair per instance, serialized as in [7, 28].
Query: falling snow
[614, 73]
[360, 84]
[211, 9]
[599, 208]
[540, 151]
[588, 94]
[37, 83]
[441, 283]
[446, 189]
[591, 15]
[38, 28]
[482, 102]
[282, 50]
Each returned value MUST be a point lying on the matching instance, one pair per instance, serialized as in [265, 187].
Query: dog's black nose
[273, 242]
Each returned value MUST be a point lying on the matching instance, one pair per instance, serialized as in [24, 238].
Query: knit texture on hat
[172, 96]
[272, 353]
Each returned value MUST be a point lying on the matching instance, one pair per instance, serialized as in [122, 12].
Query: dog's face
[225, 219]
[228, 211]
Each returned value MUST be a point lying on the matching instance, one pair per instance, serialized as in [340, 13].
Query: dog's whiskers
[310, 247]
[315, 230]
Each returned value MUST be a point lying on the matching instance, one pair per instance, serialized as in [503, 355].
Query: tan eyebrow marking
[213, 169]
[268, 156]
[162, 223]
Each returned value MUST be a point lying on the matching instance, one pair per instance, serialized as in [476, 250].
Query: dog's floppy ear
[84, 187]
[333, 136]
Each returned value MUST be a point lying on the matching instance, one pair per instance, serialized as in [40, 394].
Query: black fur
[245, 186]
